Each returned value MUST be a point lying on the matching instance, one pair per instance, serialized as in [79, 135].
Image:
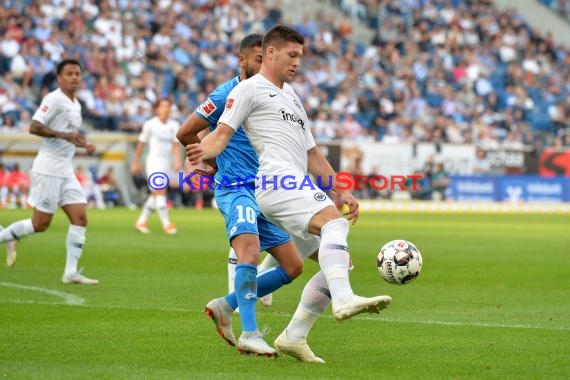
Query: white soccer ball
[399, 262]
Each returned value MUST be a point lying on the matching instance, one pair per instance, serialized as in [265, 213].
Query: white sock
[16, 231]
[3, 195]
[268, 262]
[334, 259]
[314, 301]
[232, 262]
[75, 242]
[148, 208]
[162, 210]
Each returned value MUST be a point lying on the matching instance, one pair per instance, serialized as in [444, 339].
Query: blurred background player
[248, 230]
[164, 157]
[58, 120]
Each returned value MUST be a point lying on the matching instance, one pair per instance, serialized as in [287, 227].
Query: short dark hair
[249, 41]
[279, 35]
[65, 62]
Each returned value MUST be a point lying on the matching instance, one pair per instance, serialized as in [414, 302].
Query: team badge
[208, 107]
[229, 103]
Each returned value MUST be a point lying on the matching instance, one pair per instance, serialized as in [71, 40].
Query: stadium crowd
[437, 71]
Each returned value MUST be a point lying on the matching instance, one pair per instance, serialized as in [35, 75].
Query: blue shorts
[242, 216]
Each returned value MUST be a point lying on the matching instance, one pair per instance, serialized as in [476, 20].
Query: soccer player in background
[247, 229]
[58, 120]
[164, 157]
[275, 122]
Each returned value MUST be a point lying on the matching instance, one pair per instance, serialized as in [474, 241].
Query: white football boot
[300, 350]
[219, 311]
[78, 279]
[253, 343]
[357, 304]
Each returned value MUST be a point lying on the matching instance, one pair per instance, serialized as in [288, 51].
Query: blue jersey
[238, 160]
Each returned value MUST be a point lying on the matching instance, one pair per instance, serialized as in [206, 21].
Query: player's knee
[40, 225]
[335, 231]
[294, 269]
[80, 220]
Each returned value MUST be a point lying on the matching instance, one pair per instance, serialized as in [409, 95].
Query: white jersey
[59, 113]
[275, 123]
[159, 136]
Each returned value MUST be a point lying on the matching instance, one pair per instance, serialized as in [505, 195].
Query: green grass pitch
[492, 302]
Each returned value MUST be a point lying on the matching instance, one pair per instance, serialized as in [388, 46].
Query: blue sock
[268, 281]
[246, 294]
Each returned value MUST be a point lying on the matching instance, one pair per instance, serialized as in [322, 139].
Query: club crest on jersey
[229, 103]
[208, 107]
[45, 108]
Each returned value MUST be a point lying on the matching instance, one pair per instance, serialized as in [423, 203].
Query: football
[399, 262]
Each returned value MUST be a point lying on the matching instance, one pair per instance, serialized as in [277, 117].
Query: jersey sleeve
[212, 108]
[175, 128]
[47, 110]
[144, 136]
[309, 139]
[239, 104]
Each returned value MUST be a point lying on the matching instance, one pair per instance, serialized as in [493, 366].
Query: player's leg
[334, 262]
[147, 209]
[268, 262]
[314, 301]
[44, 200]
[232, 263]
[240, 212]
[74, 204]
[162, 209]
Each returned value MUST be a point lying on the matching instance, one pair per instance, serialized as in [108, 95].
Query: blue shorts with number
[242, 216]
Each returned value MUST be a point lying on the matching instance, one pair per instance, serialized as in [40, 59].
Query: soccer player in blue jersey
[247, 229]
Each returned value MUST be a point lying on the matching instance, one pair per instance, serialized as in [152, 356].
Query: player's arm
[188, 133]
[136, 167]
[37, 128]
[319, 166]
[193, 131]
[212, 145]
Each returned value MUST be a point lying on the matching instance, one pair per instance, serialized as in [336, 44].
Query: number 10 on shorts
[250, 215]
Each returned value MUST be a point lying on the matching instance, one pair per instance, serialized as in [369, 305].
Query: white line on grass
[68, 298]
[285, 315]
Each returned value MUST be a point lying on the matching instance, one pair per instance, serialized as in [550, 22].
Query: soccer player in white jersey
[58, 121]
[276, 124]
[163, 157]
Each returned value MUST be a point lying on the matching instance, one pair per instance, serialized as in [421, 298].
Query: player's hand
[76, 139]
[136, 168]
[350, 208]
[90, 148]
[194, 153]
[204, 169]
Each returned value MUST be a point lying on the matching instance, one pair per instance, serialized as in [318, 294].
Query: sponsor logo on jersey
[229, 103]
[208, 107]
[45, 108]
[292, 118]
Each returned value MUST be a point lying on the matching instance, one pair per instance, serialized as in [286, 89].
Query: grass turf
[492, 302]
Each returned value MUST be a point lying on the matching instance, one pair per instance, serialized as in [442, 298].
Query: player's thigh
[270, 235]
[292, 210]
[45, 194]
[72, 193]
[239, 209]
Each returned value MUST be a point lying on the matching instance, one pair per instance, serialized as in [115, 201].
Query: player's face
[250, 61]
[69, 79]
[163, 110]
[287, 61]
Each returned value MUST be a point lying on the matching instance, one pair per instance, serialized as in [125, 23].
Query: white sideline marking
[327, 316]
[68, 298]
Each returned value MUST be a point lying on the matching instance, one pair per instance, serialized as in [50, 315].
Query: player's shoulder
[222, 91]
[55, 96]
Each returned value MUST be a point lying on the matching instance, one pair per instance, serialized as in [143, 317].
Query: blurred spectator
[439, 181]
[481, 165]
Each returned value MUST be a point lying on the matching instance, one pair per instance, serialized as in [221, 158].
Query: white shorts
[48, 193]
[160, 165]
[306, 247]
[292, 210]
